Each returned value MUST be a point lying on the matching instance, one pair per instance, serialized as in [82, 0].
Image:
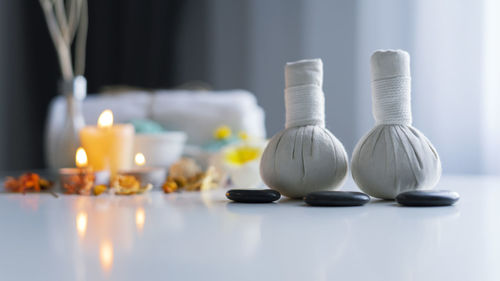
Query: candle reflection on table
[103, 227]
[81, 223]
[140, 218]
[106, 255]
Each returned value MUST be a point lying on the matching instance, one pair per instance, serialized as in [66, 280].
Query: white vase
[61, 146]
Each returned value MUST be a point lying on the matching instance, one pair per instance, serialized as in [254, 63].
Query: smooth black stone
[253, 195]
[336, 198]
[427, 198]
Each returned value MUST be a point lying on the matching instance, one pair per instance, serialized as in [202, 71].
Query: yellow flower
[242, 154]
[222, 132]
[243, 135]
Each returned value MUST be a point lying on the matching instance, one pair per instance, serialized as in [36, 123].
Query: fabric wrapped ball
[391, 159]
[394, 156]
[304, 157]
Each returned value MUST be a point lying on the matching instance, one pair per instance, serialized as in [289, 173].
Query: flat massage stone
[427, 198]
[336, 198]
[253, 195]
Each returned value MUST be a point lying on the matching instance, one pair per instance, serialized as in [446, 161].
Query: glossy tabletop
[203, 236]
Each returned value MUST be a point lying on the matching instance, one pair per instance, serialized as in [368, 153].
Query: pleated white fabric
[394, 156]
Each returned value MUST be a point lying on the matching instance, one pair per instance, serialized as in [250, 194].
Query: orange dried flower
[128, 185]
[80, 183]
[170, 186]
[27, 182]
[12, 184]
[30, 181]
[44, 184]
[127, 182]
[187, 175]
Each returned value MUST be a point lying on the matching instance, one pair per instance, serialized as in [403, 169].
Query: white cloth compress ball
[394, 156]
[304, 157]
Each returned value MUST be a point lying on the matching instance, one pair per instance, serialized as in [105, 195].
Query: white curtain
[454, 47]
[455, 65]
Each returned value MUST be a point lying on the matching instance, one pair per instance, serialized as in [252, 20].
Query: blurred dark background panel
[132, 42]
[28, 76]
[129, 43]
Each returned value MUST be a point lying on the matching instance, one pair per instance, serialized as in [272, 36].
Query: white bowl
[160, 149]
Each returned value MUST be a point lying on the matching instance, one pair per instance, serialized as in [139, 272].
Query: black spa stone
[427, 198]
[336, 198]
[253, 195]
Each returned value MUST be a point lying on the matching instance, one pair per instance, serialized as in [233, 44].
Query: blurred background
[244, 44]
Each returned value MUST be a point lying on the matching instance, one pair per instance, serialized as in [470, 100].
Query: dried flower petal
[12, 184]
[128, 185]
[45, 184]
[170, 186]
[27, 182]
[80, 183]
[183, 175]
[184, 168]
[30, 181]
[99, 189]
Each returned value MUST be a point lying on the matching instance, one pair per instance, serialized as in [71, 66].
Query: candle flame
[81, 223]
[106, 255]
[140, 218]
[140, 159]
[81, 158]
[105, 119]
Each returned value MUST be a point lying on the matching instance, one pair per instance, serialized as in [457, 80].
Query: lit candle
[154, 175]
[109, 146]
[81, 179]
[140, 159]
[81, 159]
[78, 180]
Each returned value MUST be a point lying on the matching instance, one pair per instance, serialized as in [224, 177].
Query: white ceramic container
[160, 149]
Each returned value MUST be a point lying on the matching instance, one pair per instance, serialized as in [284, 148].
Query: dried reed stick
[67, 21]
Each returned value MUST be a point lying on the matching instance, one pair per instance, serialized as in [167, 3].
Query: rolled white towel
[200, 113]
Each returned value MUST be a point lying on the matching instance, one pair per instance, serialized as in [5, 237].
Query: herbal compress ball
[394, 156]
[305, 156]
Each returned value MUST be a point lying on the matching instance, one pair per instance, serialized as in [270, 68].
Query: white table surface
[202, 236]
